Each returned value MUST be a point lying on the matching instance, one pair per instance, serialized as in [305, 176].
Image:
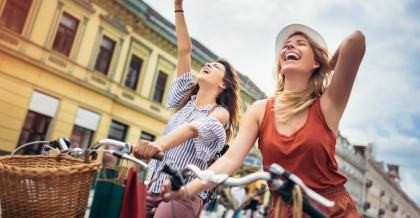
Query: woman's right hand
[146, 149]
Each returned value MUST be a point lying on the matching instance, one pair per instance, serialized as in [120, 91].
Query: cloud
[384, 107]
[410, 183]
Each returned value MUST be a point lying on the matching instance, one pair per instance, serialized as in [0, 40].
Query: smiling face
[297, 55]
[212, 74]
[301, 58]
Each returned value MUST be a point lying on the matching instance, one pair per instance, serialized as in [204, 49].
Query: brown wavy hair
[228, 99]
[296, 102]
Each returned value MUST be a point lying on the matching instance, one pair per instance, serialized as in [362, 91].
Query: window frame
[163, 64]
[74, 37]
[111, 57]
[125, 130]
[139, 72]
[31, 130]
[92, 133]
[148, 134]
[165, 84]
[26, 20]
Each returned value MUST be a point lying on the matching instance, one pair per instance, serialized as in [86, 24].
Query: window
[160, 87]
[34, 129]
[84, 128]
[133, 72]
[81, 137]
[14, 14]
[42, 109]
[105, 55]
[118, 131]
[147, 136]
[66, 33]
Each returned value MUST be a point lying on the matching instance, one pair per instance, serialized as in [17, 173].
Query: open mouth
[206, 71]
[291, 56]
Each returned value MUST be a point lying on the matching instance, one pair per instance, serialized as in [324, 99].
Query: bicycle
[282, 183]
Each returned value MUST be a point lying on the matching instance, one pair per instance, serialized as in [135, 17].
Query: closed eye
[216, 66]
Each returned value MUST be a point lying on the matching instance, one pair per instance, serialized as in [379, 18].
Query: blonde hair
[294, 102]
[297, 206]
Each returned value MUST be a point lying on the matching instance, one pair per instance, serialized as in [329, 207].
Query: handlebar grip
[118, 154]
[158, 156]
[176, 177]
[310, 209]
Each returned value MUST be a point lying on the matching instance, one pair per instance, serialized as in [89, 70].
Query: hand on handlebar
[146, 149]
[168, 195]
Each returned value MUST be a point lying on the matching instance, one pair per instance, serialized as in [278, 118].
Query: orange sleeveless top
[308, 153]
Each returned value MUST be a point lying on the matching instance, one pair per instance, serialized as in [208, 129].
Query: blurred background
[93, 69]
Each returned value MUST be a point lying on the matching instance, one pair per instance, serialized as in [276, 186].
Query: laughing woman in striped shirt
[207, 113]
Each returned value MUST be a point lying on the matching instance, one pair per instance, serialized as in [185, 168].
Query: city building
[88, 70]
[374, 188]
[353, 165]
[384, 197]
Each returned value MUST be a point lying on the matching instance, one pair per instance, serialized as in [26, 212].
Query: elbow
[360, 37]
[191, 130]
[357, 42]
[359, 34]
[357, 38]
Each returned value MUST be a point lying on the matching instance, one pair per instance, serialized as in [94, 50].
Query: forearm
[237, 152]
[225, 164]
[176, 137]
[183, 37]
[333, 60]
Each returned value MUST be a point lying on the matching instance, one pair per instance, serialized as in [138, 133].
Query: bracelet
[179, 11]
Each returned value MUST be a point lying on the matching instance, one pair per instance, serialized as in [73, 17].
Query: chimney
[393, 172]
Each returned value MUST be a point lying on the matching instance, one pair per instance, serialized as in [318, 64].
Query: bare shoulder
[221, 114]
[259, 105]
[257, 109]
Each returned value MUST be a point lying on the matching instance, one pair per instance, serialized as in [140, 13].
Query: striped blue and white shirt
[198, 151]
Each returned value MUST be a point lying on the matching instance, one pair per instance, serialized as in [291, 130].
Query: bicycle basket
[44, 186]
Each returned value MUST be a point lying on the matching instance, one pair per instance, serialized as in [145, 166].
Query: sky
[384, 107]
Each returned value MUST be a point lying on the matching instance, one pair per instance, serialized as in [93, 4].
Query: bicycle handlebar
[209, 176]
[63, 145]
[125, 148]
[177, 178]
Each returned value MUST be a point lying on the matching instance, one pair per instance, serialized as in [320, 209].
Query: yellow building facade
[88, 70]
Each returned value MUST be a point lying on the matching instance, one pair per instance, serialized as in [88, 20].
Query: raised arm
[183, 40]
[345, 62]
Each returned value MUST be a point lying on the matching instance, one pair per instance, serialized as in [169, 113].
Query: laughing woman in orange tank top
[297, 127]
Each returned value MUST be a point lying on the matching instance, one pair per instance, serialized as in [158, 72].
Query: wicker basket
[42, 186]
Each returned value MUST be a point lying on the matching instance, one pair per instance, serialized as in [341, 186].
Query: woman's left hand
[168, 195]
[146, 149]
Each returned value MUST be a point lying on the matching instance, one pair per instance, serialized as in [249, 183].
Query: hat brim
[291, 29]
